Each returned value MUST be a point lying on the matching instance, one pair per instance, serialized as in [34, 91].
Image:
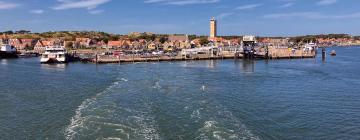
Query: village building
[23, 44]
[126, 44]
[178, 42]
[180, 38]
[154, 45]
[136, 45]
[3, 39]
[217, 41]
[168, 46]
[114, 44]
[151, 46]
[101, 44]
[141, 45]
[235, 42]
[83, 42]
[16, 43]
[184, 45]
[195, 43]
[41, 45]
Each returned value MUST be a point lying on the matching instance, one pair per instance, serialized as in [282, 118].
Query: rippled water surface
[222, 99]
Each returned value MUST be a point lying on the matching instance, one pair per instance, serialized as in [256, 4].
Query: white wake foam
[132, 122]
[221, 124]
[78, 120]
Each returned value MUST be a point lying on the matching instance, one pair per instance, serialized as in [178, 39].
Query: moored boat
[28, 55]
[333, 53]
[8, 51]
[54, 54]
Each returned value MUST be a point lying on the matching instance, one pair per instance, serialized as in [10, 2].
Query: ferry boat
[8, 51]
[54, 54]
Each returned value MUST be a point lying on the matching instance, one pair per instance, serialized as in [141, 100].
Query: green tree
[113, 38]
[69, 45]
[163, 40]
[192, 37]
[204, 41]
[28, 47]
[8, 32]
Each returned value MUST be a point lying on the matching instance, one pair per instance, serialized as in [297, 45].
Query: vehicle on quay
[54, 54]
[8, 51]
[157, 53]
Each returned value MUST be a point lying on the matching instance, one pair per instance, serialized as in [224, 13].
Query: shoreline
[169, 59]
[189, 60]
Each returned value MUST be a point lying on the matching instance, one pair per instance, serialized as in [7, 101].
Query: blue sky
[235, 17]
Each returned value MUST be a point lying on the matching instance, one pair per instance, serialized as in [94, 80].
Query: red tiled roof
[181, 38]
[115, 43]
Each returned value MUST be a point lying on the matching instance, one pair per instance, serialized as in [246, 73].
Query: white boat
[333, 53]
[310, 46]
[8, 51]
[54, 54]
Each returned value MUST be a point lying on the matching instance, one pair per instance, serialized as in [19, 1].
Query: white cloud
[181, 2]
[248, 7]
[311, 15]
[71, 4]
[37, 11]
[327, 2]
[7, 5]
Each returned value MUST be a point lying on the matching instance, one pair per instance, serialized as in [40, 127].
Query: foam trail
[124, 79]
[220, 123]
[103, 114]
[78, 120]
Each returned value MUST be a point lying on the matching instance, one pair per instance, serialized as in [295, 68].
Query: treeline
[96, 35]
[312, 38]
[65, 35]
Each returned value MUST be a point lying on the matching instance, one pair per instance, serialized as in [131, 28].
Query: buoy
[203, 87]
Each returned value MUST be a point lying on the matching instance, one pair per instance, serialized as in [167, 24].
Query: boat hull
[8, 55]
[53, 60]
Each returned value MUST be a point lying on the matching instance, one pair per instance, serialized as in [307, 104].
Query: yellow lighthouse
[213, 28]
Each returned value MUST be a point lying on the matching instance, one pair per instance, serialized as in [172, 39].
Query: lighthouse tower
[213, 28]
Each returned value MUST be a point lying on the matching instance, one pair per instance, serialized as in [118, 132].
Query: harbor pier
[199, 54]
